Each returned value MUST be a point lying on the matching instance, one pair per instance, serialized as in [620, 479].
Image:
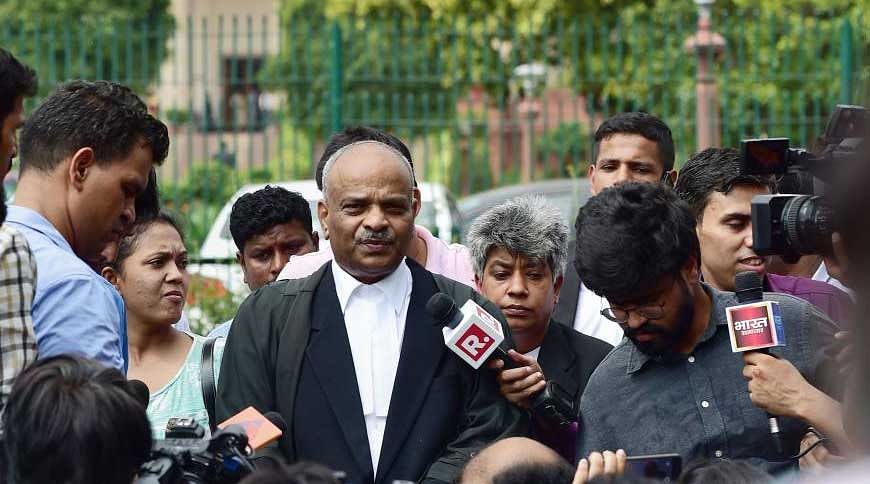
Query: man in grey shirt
[674, 386]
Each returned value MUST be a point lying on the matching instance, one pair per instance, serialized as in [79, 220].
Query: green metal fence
[481, 104]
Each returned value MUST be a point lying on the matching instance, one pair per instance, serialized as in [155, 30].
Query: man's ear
[477, 282]
[80, 167]
[692, 269]
[241, 260]
[418, 201]
[315, 240]
[322, 214]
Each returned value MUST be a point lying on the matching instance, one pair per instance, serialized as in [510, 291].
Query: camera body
[801, 223]
[186, 457]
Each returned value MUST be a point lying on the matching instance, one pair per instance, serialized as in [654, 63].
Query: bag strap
[206, 381]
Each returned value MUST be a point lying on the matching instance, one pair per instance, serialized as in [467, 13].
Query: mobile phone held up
[666, 467]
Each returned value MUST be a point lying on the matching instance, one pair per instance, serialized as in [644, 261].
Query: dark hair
[629, 236]
[714, 170]
[16, 80]
[256, 212]
[148, 202]
[643, 124]
[722, 471]
[105, 116]
[556, 472]
[355, 134]
[128, 243]
[299, 473]
[72, 420]
[622, 479]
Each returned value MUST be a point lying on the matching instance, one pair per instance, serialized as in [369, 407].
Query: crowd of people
[623, 322]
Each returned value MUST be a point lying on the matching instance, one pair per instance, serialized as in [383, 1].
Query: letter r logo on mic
[476, 337]
[474, 343]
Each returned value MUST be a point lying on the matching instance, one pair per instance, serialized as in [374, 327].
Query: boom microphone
[756, 325]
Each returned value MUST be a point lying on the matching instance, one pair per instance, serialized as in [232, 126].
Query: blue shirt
[75, 311]
[698, 405]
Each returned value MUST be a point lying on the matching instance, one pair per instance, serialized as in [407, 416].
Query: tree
[121, 40]
[402, 59]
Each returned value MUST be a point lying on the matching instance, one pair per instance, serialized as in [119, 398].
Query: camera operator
[71, 420]
[720, 196]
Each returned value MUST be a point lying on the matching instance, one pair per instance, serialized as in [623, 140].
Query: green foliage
[121, 40]
[566, 148]
[403, 60]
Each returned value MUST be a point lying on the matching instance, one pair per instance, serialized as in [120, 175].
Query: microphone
[261, 429]
[475, 336]
[756, 325]
[470, 332]
[139, 391]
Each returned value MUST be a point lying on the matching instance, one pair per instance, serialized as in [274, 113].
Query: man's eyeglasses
[650, 311]
[621, 316]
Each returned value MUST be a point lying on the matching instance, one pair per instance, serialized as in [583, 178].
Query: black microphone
[139, 391]
[749, 289]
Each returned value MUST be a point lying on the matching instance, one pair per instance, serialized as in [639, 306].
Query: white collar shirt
[374, 315]
[589, 320]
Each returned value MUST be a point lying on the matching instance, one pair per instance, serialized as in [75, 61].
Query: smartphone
[666, 467]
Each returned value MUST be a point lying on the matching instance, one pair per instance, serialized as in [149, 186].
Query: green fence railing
[480, 103]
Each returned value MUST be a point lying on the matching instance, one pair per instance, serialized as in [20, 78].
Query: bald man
[517, 459]
[350, 358]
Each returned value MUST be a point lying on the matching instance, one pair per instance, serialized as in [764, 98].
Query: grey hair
[528, 226]
[330, 162]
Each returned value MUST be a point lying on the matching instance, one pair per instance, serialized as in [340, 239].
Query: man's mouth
[753, 263]
[375, 245]
[516, 311]
[176, 296]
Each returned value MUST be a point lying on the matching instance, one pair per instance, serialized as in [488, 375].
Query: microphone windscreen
[440, 306]
[139, 391]
[277, 420]
[748, 287]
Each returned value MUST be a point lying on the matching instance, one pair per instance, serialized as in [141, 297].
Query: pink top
[453, 260]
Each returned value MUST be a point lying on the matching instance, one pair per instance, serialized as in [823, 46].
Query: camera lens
[808, 224]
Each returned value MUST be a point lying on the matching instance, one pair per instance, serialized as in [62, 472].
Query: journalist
[674, 384]
[86, 153]
[349, 356]
[71, 420]
[518, 251]
[720, 198]
[629, 147]
[17, 267]
[150, 273]
[516, 460]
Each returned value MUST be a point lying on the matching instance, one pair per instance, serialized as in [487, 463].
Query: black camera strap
[206, 381]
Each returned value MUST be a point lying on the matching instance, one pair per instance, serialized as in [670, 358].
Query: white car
[438, 214]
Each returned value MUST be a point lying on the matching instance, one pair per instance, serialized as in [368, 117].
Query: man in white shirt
[349, 356]
[629, 147]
